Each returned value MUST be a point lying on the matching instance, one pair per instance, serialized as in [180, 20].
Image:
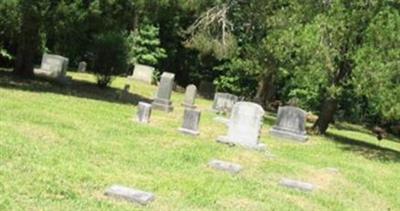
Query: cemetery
[63, 153]
[200, 105]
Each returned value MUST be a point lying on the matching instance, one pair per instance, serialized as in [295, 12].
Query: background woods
[338, 59]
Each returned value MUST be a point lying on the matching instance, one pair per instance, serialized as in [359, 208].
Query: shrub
[110, 57]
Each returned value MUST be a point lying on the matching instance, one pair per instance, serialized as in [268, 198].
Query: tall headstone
[82, 66]
[245, 126]
[144, 112]
[53, 67]
[291, 124]
[224, 102]
[143, 73]
[163, 98]
[191, 120]
[190, 96]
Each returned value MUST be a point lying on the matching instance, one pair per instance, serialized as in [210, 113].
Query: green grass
[61, 147]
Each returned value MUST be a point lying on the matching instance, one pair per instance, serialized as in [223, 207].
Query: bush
[110, 57]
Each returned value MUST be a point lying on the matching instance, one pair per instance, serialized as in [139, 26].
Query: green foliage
[238, 76]
[110, 56]
[145, 46]
[377, 73]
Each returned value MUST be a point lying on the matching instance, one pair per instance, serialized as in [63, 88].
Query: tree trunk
[28, 42]
[265, 91]
[326, 116]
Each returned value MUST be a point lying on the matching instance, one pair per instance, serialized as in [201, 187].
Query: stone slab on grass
[232, 168]
[129, 194]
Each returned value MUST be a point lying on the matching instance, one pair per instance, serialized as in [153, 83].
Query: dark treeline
[339, 59]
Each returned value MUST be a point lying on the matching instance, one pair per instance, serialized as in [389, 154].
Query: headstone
[82, 66]
[299, 185]
[143, 73]
[207, 89]
[190, 97]
[129, 194]
[144, 112]
[291, 124]
[224, 102]
[163, 98]
[191, 120]
[53, 67]
[232, 168]
[245, 126]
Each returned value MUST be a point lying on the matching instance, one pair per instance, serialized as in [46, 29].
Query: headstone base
[275, 131]
[64, 80]
[225, 140]
[189, 132]
[162, 105]
[189, 106]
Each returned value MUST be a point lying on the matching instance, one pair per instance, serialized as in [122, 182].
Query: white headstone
[144, 112]
[53, 67]
[143, 73]
[245, 126]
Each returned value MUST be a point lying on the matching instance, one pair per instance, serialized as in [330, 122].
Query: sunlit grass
[61, 147]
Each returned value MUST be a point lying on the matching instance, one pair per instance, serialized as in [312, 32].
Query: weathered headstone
[144, 112]
[82, 66]
[291, 124]
[190, 97]
[163, 98]
[299, 185]
[143, 73]
[245, 126]
[191, 120]
[232, 168]
[129, 194]
[207, 89]
[53, 67]
[224, 102]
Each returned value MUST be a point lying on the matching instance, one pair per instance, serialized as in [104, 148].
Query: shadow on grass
[367, 150]
[76, 88]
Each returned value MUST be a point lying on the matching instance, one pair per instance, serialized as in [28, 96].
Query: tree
[145, 47]
[29, 37]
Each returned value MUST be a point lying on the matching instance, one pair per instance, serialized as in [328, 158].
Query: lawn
[62, 147]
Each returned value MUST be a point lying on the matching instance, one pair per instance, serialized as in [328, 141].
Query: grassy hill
[61, 147]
